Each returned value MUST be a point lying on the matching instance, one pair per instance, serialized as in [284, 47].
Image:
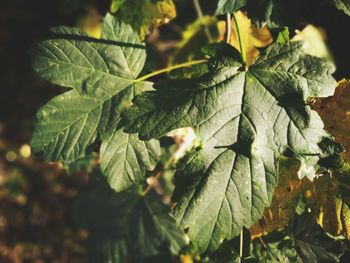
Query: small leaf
[125, 159]
[343, 5]
[229, 6]
[115, 5]
[314, 41]
[143, 14]
[283, 36]
[91, 22]
[275, 251]
[194, 37]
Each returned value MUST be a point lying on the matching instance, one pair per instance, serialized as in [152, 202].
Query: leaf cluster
[248, 117]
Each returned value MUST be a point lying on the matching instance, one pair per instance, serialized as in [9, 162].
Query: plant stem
[199, 12]
[240, 39]
[198, 8]
[241, 244]
[161, 71]
[228, 27]
[262, 242]
[150, 186]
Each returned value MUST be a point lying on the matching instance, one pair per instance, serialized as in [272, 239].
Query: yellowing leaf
[91, 23]
[253, 38]
[143, 14]
[186, 258]
[335, 113]
[333, 213]
[115, 5]
[284, 201]
[313, 41]
[345, 218]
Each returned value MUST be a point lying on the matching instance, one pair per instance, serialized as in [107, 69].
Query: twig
[241, 244]
[168, 69]
[199, 12]
[228, 27]
[262, 242]
[150, 186]
[240, 39]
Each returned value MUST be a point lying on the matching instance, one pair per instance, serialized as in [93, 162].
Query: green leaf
[229, 6]
[283, 36]
[69, 123]
[302, 241]
[343, 5]
[115, 5]
[102, 73]
[246, 120]
[126, 226]
[125, 159]
[275, 13]
[71, 59]
[312, 243]
[281, 251]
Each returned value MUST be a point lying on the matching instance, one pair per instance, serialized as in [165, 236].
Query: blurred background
[36, 197]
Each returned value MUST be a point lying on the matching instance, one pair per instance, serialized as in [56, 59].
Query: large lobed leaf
[70, 58]
[302, 241]
[102, 74]
[246, 119]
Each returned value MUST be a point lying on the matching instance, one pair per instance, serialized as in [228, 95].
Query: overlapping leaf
[102, 73]
[285, 200]
[246, 119]
[229, 6]
[252, 38]
[125, 159]
[71, 59]
[275, 13]
[143, 14]
[333, 212]
[313, 244]
[335, 112]
[125, 227]
[302, 241]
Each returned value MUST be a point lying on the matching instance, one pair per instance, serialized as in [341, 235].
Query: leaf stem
[161, 71]
[228, 27]
[262, 242]
[241, 244]
[150, 186]
[240, 39]
[199, 12]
